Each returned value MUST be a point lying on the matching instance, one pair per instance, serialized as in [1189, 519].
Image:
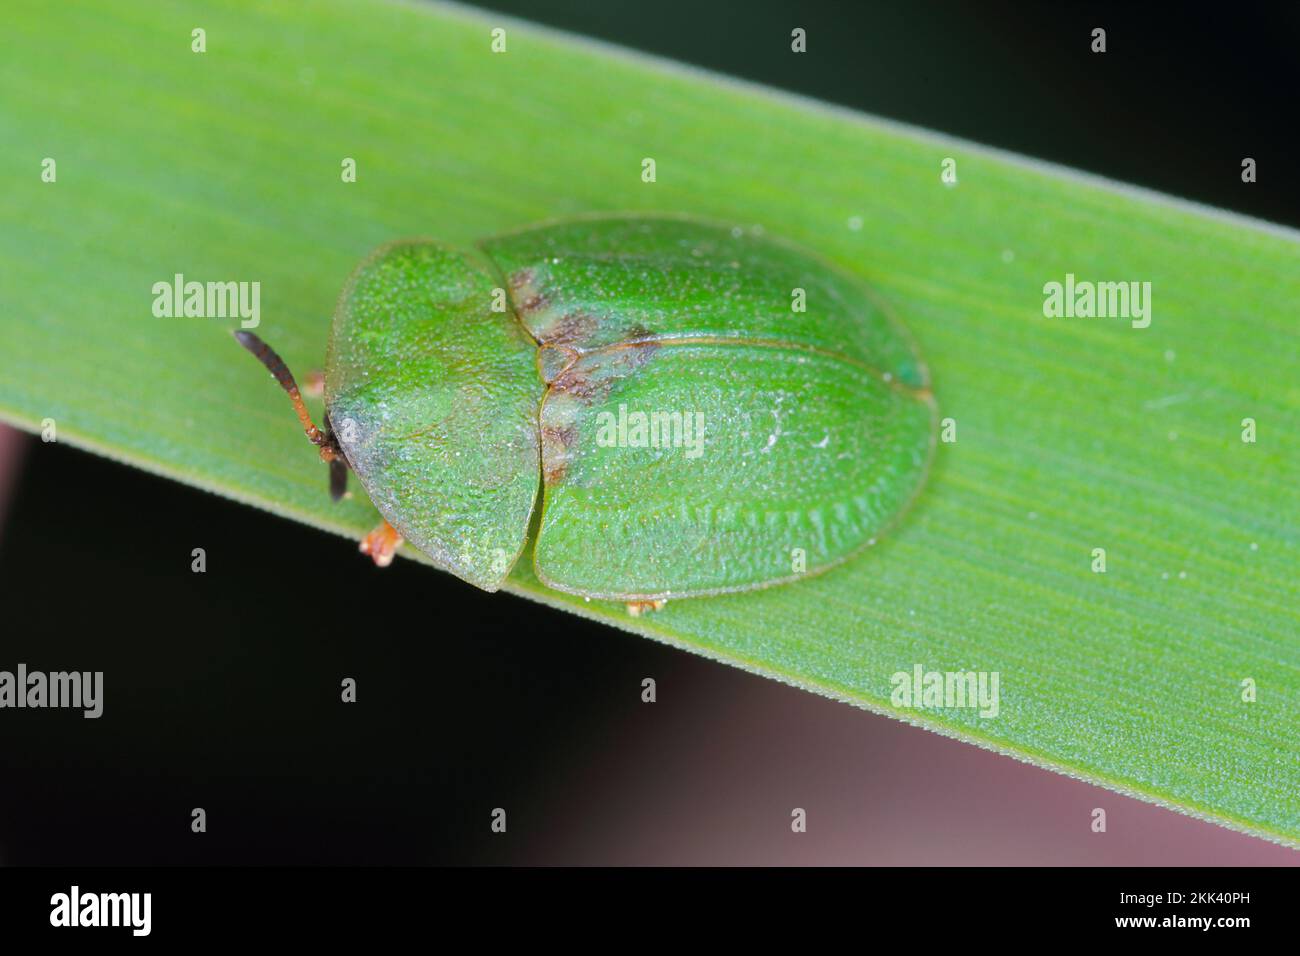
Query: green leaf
[1072, 433]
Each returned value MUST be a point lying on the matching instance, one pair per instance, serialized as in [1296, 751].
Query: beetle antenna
[329, 449]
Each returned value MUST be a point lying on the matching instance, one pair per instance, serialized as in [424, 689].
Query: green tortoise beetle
[691, 408]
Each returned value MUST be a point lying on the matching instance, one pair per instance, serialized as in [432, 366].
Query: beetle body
[647, 393]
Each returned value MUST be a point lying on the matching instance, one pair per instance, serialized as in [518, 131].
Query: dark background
[223, 688]
[1183, 93]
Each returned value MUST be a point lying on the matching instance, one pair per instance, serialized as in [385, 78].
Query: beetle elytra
[681, 408]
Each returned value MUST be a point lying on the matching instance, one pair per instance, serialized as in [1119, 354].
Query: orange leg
[381, 544]
[637, 608]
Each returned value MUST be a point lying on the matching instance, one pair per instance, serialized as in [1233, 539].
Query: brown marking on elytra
[627, 358]
[565, 435]
[557, 446]
[552, 360]
[527, 296]
[585, 383]
[578, 383]
[572, 328]
[588, 384]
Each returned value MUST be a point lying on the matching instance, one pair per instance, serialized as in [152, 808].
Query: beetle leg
[637, 608]
[381, 544]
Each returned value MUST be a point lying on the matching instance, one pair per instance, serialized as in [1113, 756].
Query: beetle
[667, 407]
